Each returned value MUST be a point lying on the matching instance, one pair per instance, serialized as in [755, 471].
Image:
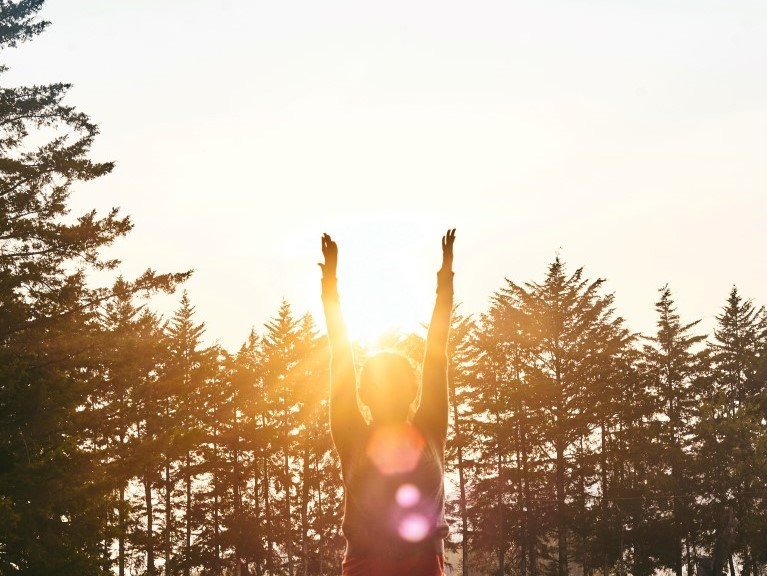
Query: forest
[129, 446]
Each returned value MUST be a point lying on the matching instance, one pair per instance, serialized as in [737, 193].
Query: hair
[388, 385]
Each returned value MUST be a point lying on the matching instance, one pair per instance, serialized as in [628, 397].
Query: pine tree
[463, 355]
[247, 526]
[125, 414]
[218, 416]
[188, 366]
[149, 332]
[735, 350]
[674, 365]
[314, 442]
[628, 519]
[280, 357]
[116, 403]
[729, 426]
[500, 407]
[54, 507]
[573, 338]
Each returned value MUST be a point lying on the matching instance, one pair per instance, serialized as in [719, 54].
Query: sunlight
[386, 273]
[367, 323]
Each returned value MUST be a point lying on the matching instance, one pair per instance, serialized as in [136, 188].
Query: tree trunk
[522, 528]
[462, 489]
[561, 520]
[238, 556]
[304, 515]
[256, 496]
[320, 567]
[168, 518]
[724, 539]
[530, 532]
[562, 567]
[288, 519]
[188, 518]
[257, 507]
[150, 569]
[583, 530]
[121, 538]
[501, 519]
[605, 501]
[216, 486]
[268, 524]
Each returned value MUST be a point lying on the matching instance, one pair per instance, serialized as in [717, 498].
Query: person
[392, 468]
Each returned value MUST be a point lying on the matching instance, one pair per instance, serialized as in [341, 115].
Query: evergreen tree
[573, 338]
[153, 345]
[463, 355]
[217, 469]
[186, 370]
[631, 509]
[674, 364]
[248, 526]
[500, 409]
[54, 506]
[730, 466]
[280, 357]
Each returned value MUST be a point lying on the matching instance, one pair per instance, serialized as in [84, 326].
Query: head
[388, 386]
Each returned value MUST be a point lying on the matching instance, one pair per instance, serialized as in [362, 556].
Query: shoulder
[433, 439]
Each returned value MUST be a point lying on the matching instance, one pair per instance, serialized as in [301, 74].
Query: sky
[626, 136]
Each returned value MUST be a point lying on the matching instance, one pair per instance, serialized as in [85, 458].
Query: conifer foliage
[64, 415]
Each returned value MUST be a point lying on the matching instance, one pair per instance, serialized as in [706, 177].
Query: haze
[629, 137]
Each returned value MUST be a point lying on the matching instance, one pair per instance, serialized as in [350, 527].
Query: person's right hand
[330, 252]
[447, 249]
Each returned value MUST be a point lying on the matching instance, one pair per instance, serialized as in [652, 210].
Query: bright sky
[629, 136]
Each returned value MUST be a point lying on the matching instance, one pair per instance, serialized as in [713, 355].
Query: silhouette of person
[393, 468]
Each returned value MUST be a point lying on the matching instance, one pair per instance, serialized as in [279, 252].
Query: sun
[386, 282]
[368, 321]
[374, 309]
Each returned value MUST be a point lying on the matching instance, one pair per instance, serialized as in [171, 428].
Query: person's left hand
[447, 249]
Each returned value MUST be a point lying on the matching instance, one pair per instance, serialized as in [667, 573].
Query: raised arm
[433, 408]
[346, 421]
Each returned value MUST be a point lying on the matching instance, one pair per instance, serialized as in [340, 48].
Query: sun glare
[368, 322]
[375, 308]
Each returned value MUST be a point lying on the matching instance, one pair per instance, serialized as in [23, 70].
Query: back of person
[393, 468]
[394, 506]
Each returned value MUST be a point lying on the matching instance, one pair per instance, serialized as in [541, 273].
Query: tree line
[130, 446]
[579, 443]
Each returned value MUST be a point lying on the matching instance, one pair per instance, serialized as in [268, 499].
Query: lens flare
[396, 448]
[408, 496]
[414, 528]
